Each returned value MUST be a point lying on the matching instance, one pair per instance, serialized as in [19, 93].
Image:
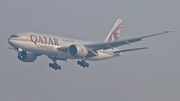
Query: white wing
[111, 44]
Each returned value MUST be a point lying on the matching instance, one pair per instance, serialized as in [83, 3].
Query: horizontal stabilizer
[131, 50]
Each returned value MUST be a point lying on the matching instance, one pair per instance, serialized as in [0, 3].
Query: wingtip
[168, 31]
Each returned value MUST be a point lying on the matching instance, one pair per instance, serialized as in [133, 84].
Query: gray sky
[145, 75]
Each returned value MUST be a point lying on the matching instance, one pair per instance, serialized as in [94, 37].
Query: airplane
[30, 45]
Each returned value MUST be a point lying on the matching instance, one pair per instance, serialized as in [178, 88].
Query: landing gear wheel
[87, 64]
[83, 63]
[84, 66]
[78, 62]
[55, 66]
[59, 67]
[50, 64]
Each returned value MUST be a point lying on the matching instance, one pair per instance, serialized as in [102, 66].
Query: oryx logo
[114, 33]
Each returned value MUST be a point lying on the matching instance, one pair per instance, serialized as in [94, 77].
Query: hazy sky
[147, 75]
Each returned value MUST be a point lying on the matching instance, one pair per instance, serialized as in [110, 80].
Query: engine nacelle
[27, 56]
[78, 50]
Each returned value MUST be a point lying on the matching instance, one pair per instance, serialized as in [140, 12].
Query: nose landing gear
[83, 63]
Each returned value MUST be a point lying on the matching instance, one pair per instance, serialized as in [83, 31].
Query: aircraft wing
[112, 44]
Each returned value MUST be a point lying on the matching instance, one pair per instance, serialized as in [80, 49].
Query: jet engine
[27, 56]
[77, 50]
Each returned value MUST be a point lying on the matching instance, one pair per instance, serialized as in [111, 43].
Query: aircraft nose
[12, 40]
[9, 40]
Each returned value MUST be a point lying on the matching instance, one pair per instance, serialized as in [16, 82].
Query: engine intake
[78, 50]
[27, 56]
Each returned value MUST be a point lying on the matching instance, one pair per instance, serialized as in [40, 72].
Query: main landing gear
[55, 66]
[83, 63]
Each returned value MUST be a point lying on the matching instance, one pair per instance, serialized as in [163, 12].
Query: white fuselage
[49, 44]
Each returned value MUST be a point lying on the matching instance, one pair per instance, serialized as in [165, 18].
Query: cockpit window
[14, 35]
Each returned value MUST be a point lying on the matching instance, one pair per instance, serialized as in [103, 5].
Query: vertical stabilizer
[115, 31]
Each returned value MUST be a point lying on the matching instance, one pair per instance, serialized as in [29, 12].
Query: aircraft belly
[66, 56]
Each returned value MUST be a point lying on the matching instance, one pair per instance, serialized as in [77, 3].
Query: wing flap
[131, 49]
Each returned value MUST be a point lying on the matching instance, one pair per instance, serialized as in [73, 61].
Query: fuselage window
[14, 35]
